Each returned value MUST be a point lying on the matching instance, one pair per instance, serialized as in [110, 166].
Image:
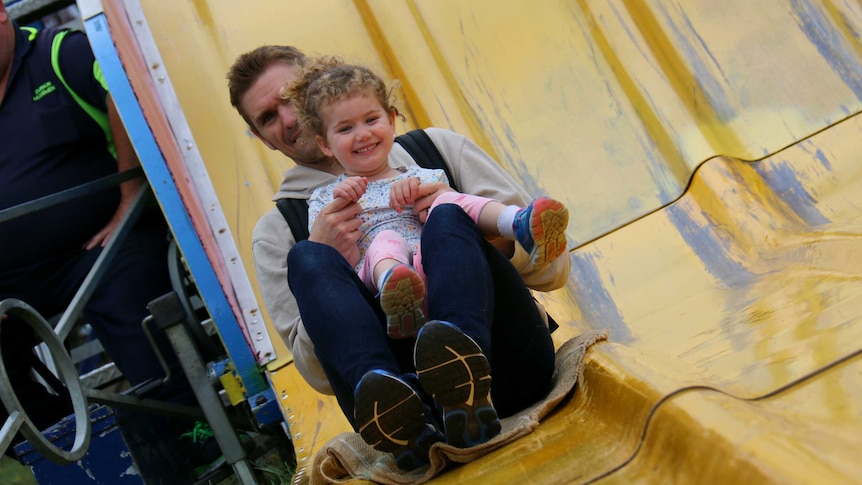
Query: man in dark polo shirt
[50, 141]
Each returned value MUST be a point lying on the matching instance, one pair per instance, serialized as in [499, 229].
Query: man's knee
[309, 259]
[445, 212]
[446, 215]
[307, 254]
[447, 219]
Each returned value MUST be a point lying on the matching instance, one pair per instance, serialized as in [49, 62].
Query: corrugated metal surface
[708, 152]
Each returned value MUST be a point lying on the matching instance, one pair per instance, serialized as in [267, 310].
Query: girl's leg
[540, 228]
[482, 210]
[401, 289]
[387, 250]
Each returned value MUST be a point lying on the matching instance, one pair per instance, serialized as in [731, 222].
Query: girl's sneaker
[401, 298]
[540, 228]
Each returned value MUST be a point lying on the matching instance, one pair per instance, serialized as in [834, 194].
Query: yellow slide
[709, 152]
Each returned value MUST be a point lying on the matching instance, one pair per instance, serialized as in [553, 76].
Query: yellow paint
[233, 387]
[708, 152]
[312, 418]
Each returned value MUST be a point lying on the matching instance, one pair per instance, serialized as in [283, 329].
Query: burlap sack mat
[346, 457]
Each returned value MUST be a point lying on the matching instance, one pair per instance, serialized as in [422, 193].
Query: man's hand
[126, 159]
[102, 237]
[403, 193]
[428, 193]
[337, 225]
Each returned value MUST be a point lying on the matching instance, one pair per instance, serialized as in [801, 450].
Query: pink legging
[389, 244]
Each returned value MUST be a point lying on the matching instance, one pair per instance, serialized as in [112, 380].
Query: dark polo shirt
[48, 144]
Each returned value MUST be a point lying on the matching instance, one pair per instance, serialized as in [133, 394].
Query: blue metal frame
[166, 192]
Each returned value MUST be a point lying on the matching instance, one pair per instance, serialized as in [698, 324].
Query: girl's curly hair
[324, 79]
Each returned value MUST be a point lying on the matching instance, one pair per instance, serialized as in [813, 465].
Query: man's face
[273, 119]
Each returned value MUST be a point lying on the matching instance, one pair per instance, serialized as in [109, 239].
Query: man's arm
[78, 66]
[126, 159]
[271, 242]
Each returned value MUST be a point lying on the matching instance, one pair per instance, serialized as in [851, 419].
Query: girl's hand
[351, 188]
[428, 193]
[403, 193]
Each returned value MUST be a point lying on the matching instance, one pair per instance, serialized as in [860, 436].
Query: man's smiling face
[274, 120]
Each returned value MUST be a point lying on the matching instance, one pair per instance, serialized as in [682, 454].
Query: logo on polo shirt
[43, 90]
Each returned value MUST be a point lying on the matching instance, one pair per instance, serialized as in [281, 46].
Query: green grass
[270, 468]
[14, 473]
[276, 475]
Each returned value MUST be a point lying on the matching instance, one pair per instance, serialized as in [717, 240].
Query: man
[334, 326]
[50, 143]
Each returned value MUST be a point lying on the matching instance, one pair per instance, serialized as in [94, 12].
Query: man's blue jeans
[470, 284]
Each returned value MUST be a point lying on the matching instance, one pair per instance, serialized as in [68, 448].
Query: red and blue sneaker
[401, 298]
[540, 228]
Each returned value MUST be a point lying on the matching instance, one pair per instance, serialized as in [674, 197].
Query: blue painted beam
[177, 216]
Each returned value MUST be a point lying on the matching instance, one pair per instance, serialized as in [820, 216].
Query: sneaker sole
[390, 418]
[548, 222]
[401, 299]
[389, 413]
[453, 369]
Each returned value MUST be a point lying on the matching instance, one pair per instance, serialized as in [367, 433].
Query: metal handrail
[85, 291]
[54, 337]
[72, 193]
[178, 335]
[18, 418]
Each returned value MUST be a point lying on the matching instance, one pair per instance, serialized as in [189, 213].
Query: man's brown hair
[248, 67]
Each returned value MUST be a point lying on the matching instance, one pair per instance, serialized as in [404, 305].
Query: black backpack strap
[295, 212]
[552, 324]
[419, 145]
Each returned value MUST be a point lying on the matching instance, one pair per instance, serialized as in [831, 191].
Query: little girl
[349, 110]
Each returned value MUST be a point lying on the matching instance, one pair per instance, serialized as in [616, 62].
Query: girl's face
[359, 132]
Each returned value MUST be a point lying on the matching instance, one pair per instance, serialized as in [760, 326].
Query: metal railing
[54, 337]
